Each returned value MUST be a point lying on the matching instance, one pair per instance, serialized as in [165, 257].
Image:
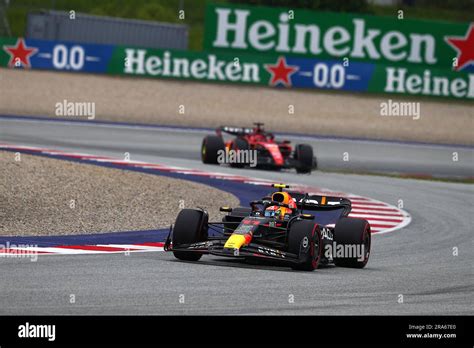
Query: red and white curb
[383, 217]
[24, 249]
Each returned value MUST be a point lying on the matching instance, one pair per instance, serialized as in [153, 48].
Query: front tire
[305, 158]
[304, 240]
[355, 233]
[210, 147]
[190, 227]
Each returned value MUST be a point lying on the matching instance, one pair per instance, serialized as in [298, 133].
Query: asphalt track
[176, 143]
[416, 262]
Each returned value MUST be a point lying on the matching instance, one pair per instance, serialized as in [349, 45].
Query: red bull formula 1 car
[297, 229]
[268, 153]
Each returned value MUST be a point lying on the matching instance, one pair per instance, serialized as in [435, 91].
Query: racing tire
[354, 232]
[190, 227]
[211, 144]
[237, 145]
[305, 158]
[304, 240]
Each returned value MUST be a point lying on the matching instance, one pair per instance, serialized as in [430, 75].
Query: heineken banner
[326, 35]
[266, 70]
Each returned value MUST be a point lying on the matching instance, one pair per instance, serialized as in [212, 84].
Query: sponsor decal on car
[326, 233]
[271, 252]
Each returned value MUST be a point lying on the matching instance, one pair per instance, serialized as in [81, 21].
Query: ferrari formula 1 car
[268, 153]
[300, 230]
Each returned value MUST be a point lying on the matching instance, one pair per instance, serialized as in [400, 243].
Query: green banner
[375, 39]
[418, 81]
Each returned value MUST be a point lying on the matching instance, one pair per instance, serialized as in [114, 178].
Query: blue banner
[331, 74]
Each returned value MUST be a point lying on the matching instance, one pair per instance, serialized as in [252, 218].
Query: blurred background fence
[58, 25]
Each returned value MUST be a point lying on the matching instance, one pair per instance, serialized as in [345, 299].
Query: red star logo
[20, 53]
[464, 46]
[281, 72]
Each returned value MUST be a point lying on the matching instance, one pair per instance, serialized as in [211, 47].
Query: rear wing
[320, 203]
[234, 130]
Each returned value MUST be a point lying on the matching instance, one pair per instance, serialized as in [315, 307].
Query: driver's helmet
[281, 212]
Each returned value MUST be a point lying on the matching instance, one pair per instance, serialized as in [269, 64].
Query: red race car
[255, 147]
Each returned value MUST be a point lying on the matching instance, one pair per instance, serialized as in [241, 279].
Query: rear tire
[304, 239]
[210, 147]
[305, 158]
[237, 145]
[350, 231]
[190, 227]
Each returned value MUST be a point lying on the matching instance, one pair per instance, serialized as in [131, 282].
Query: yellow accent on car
[235, 241]
[323, 200]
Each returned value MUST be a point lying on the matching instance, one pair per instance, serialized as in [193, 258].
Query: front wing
[253, 250]
[288, 163]
[268, 161]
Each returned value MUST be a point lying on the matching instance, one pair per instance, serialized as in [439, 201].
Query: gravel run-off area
[45, 196]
